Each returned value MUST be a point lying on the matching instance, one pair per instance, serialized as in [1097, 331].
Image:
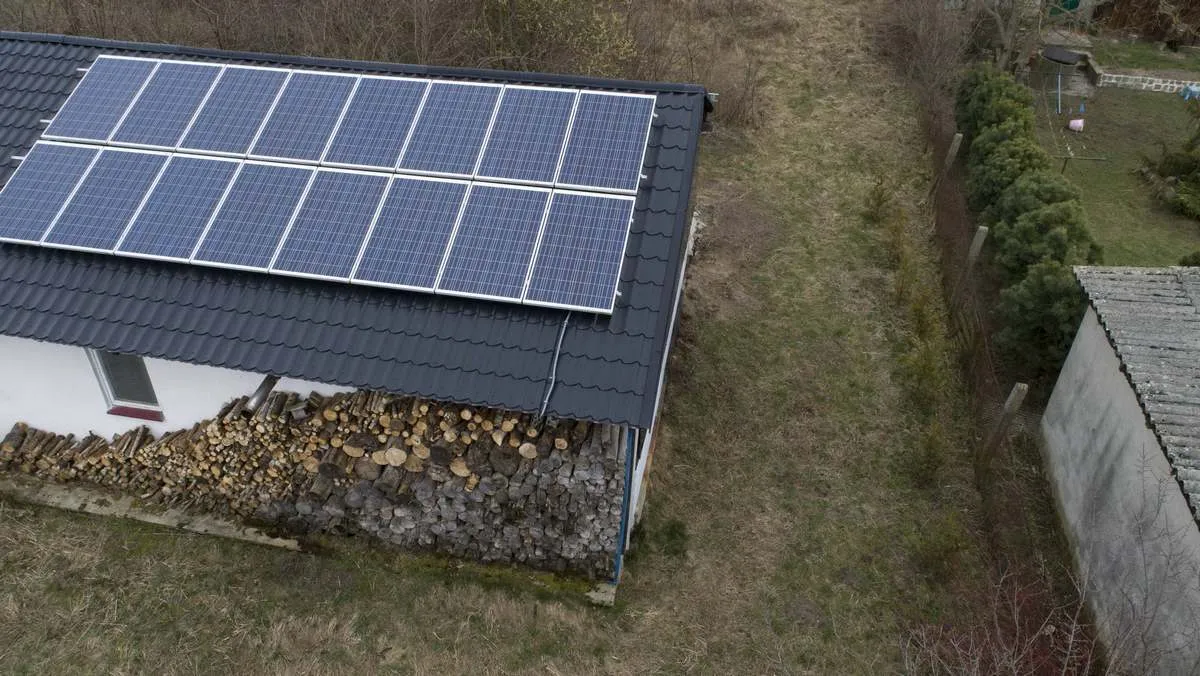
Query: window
[126, 385]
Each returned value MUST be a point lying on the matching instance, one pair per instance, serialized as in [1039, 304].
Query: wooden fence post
[951, 155]
[983, 459]
[981, 234]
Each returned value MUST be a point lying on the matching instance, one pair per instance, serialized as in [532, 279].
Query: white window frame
[115, 403]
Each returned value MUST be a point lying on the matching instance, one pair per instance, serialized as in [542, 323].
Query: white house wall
[53, 387]
[1135, 542]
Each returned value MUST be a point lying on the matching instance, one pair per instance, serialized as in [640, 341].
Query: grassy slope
[1123, 125]
[781, 451]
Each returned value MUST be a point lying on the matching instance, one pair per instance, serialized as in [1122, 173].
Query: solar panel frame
[283, 91]
[184, 147]
[438, 288]
[112, 138]
[400, 168]
[199, 109]
[412, 125]
[150, 192]
[562, 142]
[57, 212]
[367, 239]
[48, 133]
[283, 239]
[194, 258]
[45, 241]
[526, 300]
[337, 124]
[559, 183]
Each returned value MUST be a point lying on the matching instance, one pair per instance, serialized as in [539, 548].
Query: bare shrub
[1024, 632]
[709, 42]
[928, 44]
[558, 35]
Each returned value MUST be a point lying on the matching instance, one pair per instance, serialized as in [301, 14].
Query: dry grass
[782, 452]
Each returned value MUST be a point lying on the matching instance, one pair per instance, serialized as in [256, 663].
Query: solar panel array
[506, 192]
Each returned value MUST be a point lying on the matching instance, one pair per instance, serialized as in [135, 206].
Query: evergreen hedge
[1037, 221]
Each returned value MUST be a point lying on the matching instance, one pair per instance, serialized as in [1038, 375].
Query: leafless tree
[1009, 26]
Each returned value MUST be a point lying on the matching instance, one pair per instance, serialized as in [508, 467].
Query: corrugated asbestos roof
[1152, 318]
[459, 350]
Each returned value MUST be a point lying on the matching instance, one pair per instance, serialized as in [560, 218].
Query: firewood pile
[228, 465]
[482, 483]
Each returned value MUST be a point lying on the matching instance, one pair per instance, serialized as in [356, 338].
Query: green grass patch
[1144, 56]
[1122, 127]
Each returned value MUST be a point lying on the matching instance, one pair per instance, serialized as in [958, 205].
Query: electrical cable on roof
[562, 331]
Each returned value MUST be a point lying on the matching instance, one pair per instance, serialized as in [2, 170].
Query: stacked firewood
[229, 465]
[355, 437]
[246, 458]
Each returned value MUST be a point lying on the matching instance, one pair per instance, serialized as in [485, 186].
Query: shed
[99, 342]
[1122, 450]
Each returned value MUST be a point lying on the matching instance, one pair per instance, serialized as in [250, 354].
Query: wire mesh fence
[973, 292]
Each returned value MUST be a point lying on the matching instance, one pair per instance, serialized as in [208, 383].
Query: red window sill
[139, 413]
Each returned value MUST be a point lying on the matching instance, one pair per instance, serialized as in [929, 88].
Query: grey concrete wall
[1135, 543]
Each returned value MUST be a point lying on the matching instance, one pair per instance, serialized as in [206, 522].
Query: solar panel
[166, 105]
[105, 200]
[607, 142]
[253, 216]
[527, 137]
[329, 229]
[580, 252]
[95, 107]
[485, 236]
[493, 242]
[304, 117]
[409, 238]
[180, 204]
[375, 126]
[234, 111]
[40, 187]
[451, 129]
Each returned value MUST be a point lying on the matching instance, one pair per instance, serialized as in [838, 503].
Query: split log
[458, 466]
[13, 440]
[395, 456]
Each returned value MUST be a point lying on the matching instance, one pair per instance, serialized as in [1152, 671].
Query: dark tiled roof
[1152, 318]
[439, 347]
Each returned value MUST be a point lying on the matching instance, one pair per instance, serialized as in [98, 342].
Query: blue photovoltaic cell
[167, 104]
[494, 241]
[583, 244]
[302, 121]
[373, 130]
[608, 140]
[98, 102]
[527, 137]
[255, 213]
[106, 199]
[411, 233]
[173, 217]
[330, 227]
[235, 110]
[39, 188]
[451, 128]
